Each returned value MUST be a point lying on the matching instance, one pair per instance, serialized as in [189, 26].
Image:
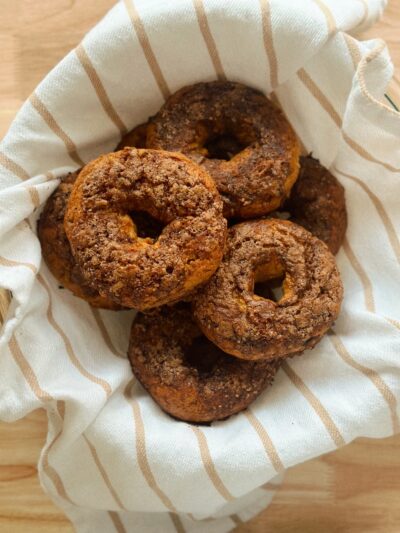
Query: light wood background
[354, 490]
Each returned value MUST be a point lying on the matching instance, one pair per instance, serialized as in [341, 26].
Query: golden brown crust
[56, 249]
[137, 272]
[238, 119]
[251, 327]
[57, 252]
[188, 376]
[317, 202]
[136, 138]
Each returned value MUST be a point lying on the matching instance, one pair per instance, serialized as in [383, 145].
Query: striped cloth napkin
[112, 460]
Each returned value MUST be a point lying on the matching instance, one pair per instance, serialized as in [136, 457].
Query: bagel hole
[146, 225]
[271, 289]
[269, 279]
[223, 146]
[202, 355]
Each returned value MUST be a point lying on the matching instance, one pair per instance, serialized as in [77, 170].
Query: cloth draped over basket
[113, 460]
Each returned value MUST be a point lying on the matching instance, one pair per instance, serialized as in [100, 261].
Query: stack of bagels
[209, 222]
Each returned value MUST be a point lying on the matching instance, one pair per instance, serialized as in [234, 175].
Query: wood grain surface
[354, 490]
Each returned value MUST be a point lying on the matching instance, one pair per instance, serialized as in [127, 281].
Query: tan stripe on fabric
[330, 19]
[147, 49]
[274, 98]
[209, 39]
[10, 263]
[13, 167]
[315, 403]
[271, 486]
[141, 452]
[56, 128]
[390, 230]
[50, 176]
[325, 104]
[68, 346]
[61, 408]
[27, 371]
[236, 519]
[371, 374]
[103, 473]
[117, 522]
[269, 447]
[373, 54]
[392, 321]
[5, 299]
[23, 225]
[209, 465]
[104, 333]
[100, 89]
[209, 519]
[353, 49]
[53, 474]
[34, 195]
[27, 224]
[42, 395]
[319, 95]
[269, 43]
[177, 523]
[366, 155]
[366, 282]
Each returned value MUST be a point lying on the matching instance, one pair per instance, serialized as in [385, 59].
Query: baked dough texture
[239, 136]
[188, 376]
[317, 202]
[141, 272]
[249, 326]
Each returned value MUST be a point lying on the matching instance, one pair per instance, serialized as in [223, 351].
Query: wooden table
[356, 489]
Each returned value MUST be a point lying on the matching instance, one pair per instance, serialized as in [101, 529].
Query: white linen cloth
[113, 460]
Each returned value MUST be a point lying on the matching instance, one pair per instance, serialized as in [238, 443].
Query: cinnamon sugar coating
[317, 203]
[188, 376]
[252, 327]
[56, 250]
[206, 120]
[144, 272]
